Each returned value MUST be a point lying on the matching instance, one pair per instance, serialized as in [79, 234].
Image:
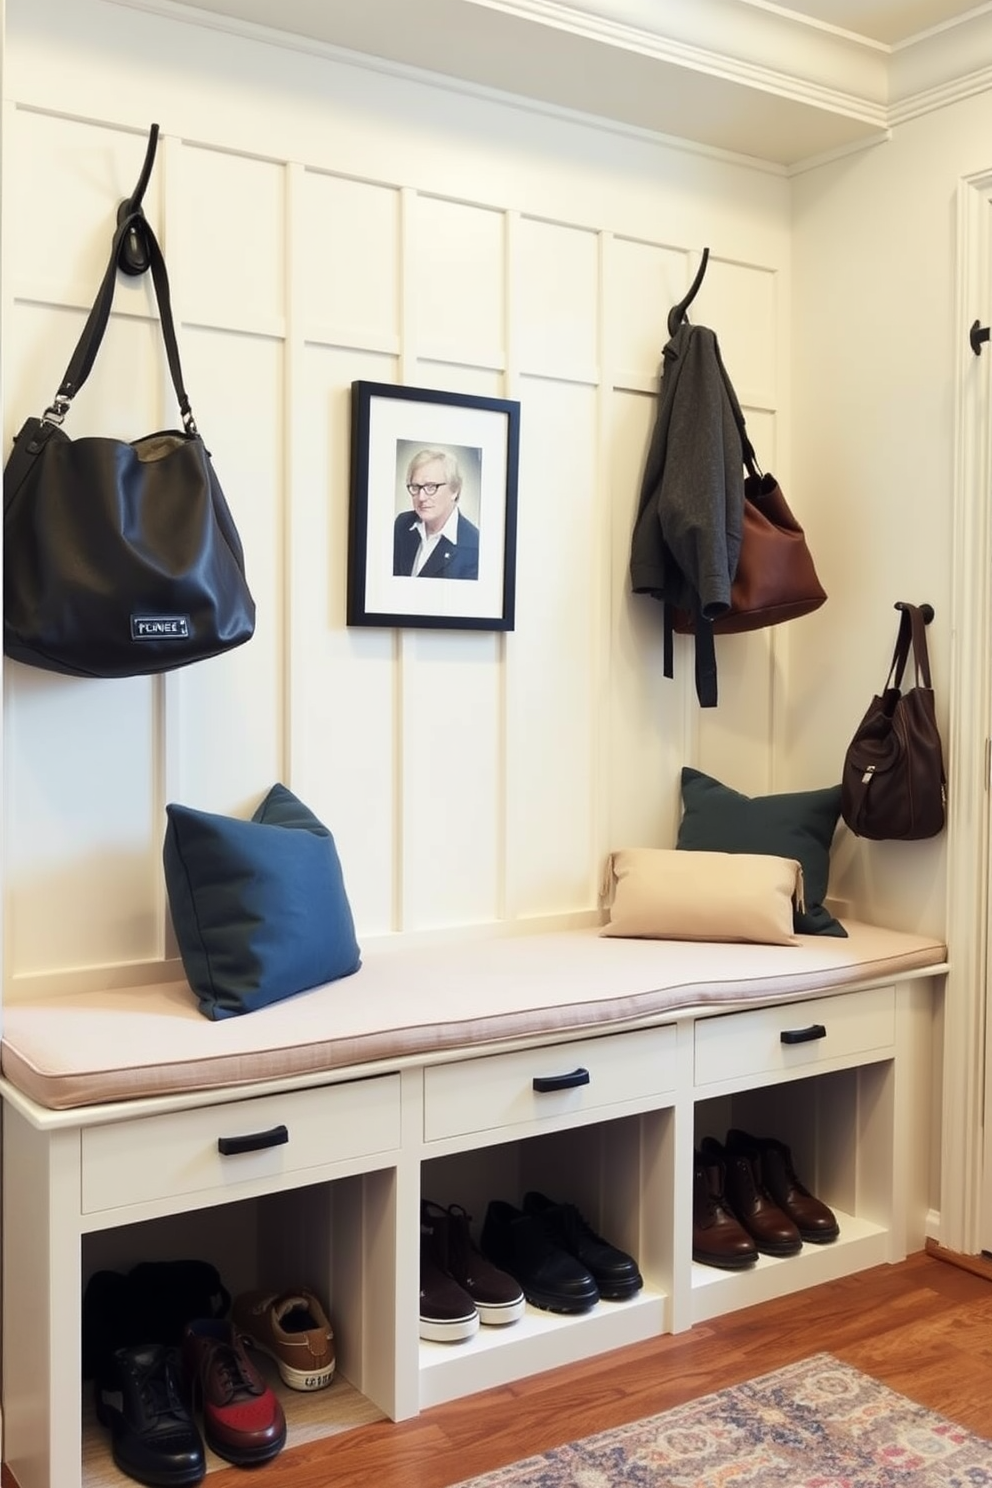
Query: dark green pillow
[797, 824]
[259, 907]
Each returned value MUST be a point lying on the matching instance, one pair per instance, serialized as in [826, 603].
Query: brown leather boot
[772, 1231]
[814, 1221]
[717, 1238]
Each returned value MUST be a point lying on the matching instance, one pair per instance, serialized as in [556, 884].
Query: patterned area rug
[816, 1424]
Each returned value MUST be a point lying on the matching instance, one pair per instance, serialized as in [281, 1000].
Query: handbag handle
[88, 345]
[912, 630]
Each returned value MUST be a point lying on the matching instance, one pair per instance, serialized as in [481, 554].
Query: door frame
[966, 1162]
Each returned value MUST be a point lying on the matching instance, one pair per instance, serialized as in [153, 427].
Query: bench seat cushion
[87, 1048]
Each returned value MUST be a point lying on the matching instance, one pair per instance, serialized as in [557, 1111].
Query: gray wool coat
[687, 535]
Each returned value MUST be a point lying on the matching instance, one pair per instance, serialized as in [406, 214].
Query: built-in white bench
[425, 1074]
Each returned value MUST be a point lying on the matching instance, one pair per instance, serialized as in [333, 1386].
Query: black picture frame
[468, 575]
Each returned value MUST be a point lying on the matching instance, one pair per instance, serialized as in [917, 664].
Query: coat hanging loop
[677, 313]
[134, 256]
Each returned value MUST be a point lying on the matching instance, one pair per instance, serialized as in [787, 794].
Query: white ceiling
[889, 21]
[784, 85]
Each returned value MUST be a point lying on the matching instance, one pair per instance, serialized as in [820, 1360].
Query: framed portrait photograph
[433, 518]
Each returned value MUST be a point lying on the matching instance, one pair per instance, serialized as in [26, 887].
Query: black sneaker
[140, 1397]
[614, 1271]
[497, 1296]
[520, 1245]
[447, 1313]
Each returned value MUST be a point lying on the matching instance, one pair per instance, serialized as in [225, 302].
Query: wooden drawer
[158, 1157]
[777, 1040]
[499, 1091]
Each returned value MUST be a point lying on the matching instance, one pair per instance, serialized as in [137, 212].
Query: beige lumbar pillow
[667, 894]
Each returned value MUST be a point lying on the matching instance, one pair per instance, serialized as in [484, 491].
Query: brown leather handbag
[775, 578]
[893, 785]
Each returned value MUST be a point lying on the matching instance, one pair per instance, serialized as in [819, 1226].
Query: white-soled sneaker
[447, 1312]
[293, 1329]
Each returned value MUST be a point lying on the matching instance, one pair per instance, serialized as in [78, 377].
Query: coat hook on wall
[134, 251]
[926, 610]
[977, 335]
[677, 313]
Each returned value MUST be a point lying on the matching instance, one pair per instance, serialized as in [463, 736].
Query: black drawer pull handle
[578, 1076]
[253, 1142]
[803, 1035]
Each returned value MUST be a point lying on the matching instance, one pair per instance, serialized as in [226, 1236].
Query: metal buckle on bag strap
[55, 414]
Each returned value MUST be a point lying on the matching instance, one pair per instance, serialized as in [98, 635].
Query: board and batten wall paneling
[450, 723]
[344, 276]
[556, 654]
[341, 682]
[651, 720]
[469, 778]
[344, 309]
[553, 657]
[455, 282]
[228, 746]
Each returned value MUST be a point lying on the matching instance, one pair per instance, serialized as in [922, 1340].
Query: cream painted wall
[878, 343]
[884, 379]
[323, 223]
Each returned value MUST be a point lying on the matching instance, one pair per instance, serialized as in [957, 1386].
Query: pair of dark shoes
[145, 1396]
[561, 1263]
[459, 1287]
[748, 1199]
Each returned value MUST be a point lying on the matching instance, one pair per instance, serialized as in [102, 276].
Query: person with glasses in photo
[435, 540]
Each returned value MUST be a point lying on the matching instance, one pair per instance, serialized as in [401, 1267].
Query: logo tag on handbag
[160, 627]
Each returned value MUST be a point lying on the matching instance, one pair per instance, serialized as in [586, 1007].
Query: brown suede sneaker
[293, 1329]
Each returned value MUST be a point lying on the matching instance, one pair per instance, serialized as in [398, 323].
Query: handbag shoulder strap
[912, 635]
[900, 652]
[88, 345]
[747, 448]
[921, 655]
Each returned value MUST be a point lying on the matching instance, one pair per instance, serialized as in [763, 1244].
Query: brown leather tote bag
[893, 785]
[776, 579]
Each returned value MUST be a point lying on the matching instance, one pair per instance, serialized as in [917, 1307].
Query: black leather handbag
[120, 559]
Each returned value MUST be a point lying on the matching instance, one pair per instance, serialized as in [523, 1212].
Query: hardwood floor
[923, 1327]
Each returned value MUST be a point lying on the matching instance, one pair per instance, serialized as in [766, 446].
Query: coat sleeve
[692, 501]
[702, 486]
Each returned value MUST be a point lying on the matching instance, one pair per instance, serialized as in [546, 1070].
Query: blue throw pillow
[797, 824]
[259, 907]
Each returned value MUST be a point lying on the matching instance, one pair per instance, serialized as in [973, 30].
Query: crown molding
[940, 67]
[761, 83]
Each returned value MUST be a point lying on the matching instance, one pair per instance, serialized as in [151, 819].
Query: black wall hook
[134, 257]
[677, 313]
[926, 610]
[977, 335]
